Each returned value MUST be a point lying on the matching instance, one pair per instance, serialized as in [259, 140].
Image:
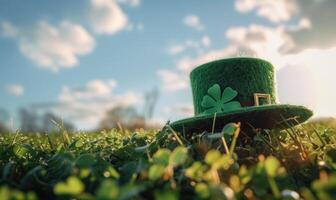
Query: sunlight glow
[322, 65]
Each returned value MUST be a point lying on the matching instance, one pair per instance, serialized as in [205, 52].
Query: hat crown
[247, 76]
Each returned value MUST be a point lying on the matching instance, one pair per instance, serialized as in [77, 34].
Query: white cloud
[198, 46]
[304, 24]
[107, 17]
[253, 41]
[206, 41]
[318, 30]
[173, 81]
[314, 29]
[261, 41]
[54, 47]
[193, 21]
[15, 89]
[87, 105]
[273, 10]
[176, 49]
[8, 30]
[182, 109]
[133, 3]
[93, 89]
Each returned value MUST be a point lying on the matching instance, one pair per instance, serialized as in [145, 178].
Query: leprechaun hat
[238, 90]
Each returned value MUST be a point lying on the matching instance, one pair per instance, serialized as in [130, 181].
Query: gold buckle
[260, 95]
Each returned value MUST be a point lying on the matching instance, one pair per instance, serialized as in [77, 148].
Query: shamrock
[215, 101]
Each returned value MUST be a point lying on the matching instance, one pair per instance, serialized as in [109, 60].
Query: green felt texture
[244, 75]
[266, 117]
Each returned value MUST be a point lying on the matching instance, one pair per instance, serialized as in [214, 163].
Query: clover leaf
[216, 101]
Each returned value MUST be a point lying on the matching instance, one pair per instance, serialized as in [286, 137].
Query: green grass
[118, 164]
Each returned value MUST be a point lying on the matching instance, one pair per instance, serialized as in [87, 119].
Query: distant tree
[47, 122]
[126, 117]
[151, 98]
[29, 120]
[3, 128]
[50, 123]
[4, 117]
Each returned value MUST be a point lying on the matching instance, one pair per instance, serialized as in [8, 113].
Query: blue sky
[87, 56]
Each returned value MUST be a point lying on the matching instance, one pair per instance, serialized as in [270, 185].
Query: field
[298, 163]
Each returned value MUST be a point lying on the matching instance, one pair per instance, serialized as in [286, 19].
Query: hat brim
[267, 117]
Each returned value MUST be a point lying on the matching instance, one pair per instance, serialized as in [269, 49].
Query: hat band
[257, 97]
[247, 104]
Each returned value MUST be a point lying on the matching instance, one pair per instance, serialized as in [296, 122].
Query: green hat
[238, 90]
